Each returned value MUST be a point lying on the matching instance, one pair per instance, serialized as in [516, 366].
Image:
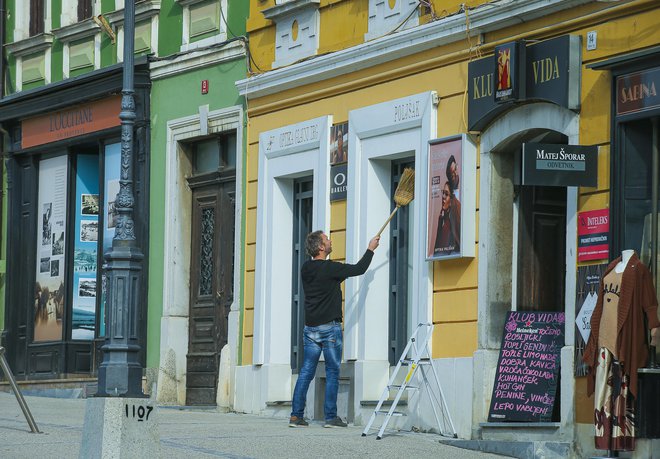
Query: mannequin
[625, 258]
[617, 348]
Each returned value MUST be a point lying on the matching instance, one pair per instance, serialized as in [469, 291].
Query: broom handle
[388, 220]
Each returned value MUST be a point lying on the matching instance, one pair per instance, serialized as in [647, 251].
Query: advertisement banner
[49, 299]
[593, 235]
[588, 283]
[112, 174]
[87, 232]
[451, 198]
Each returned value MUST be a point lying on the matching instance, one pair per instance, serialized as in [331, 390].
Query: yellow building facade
[344, 95]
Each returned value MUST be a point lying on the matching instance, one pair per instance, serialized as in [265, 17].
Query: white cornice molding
[30, 45]
[196, 59]
[284, 9]
[485, 18]
[143, 10]
[81, 29]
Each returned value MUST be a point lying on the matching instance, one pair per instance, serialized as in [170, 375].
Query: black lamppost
[120, 373]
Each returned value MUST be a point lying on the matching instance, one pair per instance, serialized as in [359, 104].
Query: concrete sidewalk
[198, 433]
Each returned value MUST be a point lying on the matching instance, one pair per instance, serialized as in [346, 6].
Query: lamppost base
[118, 427]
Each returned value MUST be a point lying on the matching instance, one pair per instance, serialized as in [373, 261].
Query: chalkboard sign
[528, 367]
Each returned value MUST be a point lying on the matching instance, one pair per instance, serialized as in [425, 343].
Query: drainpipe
[3, 15]
[3, 133]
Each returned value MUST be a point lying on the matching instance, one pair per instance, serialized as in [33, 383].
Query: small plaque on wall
[338, 182]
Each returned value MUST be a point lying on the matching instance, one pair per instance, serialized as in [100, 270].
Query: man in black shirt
[321, 280]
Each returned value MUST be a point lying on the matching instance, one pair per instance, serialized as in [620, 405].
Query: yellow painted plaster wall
[444, 70]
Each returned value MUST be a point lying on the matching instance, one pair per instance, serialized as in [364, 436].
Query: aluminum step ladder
[415, 356]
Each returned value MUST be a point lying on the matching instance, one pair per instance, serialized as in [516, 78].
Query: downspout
[3, 16]
[3, 134]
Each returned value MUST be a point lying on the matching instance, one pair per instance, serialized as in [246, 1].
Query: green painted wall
[236, 17]
[172, 98]
[170, 28]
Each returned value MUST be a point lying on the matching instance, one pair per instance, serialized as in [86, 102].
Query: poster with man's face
[444, 199]
[339, 143]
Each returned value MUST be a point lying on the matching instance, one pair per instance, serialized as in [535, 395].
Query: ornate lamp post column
[119, 421]
[120, 373]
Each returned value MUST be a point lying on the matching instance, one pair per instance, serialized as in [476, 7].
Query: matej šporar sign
[559, 165]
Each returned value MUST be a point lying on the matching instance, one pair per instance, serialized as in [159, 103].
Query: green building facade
[61, 140]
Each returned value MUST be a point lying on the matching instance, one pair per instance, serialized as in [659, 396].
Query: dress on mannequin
[617, 347]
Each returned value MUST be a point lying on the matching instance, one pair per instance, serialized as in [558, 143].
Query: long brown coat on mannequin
[637, 298]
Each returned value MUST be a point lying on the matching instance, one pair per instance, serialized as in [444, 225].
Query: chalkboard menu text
[528, 367]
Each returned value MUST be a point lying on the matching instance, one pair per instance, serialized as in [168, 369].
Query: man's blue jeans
[326, 338]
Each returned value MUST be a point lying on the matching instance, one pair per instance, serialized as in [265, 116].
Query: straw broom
[404, 194]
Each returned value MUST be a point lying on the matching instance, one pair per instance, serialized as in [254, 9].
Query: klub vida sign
[593, 235]
[71, 122]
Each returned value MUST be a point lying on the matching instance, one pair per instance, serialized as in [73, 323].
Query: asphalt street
[206, 433]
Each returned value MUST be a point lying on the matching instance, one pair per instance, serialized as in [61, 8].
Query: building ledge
[30, 45]
[485, 18]
[196, 59]
[72, 32]
[279, 11]
[143, 10]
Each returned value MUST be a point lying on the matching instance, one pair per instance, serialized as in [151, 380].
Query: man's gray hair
[313, 243]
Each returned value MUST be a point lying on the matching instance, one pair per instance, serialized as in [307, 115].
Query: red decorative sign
[593, 235]
[205, 86]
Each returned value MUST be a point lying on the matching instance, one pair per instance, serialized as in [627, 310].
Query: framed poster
[339, 143]
[50, 301]
[451, 197]
[85, 256]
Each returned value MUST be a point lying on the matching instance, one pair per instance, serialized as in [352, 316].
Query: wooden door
[211, 287]
[541, 248]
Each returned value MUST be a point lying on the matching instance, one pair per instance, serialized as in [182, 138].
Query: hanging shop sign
[593, 235]
[528, 367]
[71, 122]
[338, 182]
[559, 165]
[451, 198]
[549, 71]
[510, 72]
[638, 92]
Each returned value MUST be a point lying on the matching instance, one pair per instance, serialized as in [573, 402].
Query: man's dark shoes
[295, 421]
[336, 422]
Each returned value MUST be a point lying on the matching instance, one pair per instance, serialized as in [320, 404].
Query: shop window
[76, 221]
[638, 142]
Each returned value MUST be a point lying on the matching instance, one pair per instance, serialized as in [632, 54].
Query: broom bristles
[405, 191]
